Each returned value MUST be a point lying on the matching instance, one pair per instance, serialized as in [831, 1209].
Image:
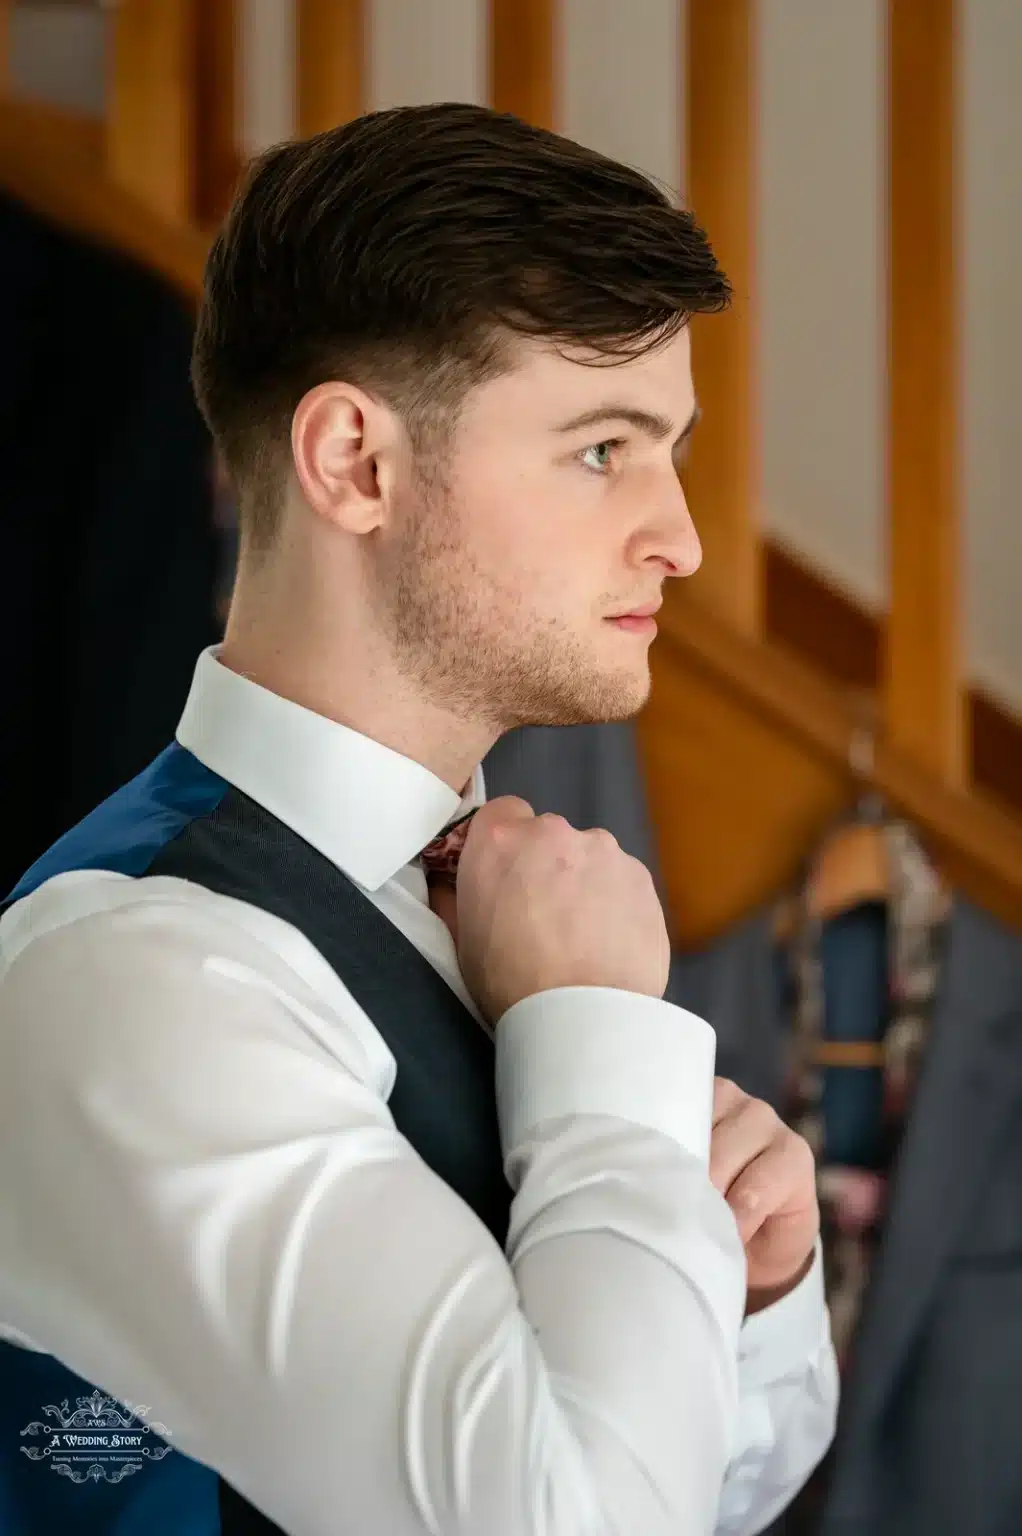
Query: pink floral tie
[440, 857]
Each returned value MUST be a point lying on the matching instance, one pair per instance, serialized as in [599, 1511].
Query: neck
[296, 647]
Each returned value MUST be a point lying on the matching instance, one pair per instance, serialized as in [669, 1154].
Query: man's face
[499, 578]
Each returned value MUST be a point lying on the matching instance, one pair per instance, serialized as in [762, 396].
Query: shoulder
[106, 954]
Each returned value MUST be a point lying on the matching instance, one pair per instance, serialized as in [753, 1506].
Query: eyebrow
[649, 422]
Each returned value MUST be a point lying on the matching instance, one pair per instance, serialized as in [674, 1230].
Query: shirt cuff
[603, 1051]
[782, 1338]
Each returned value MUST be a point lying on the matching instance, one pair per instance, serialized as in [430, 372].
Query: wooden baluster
[522, 59]
[331, 63]
[217, 158]
[5, 46]
[150, 128]
[722, 479]
[923, 698]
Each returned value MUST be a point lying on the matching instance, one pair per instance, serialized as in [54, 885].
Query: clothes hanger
[852, 866]
[849, 868]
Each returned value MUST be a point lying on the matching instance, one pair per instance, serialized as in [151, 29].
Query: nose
[672, 535]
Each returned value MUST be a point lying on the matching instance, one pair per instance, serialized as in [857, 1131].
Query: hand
[542, 905]
[767, 1174]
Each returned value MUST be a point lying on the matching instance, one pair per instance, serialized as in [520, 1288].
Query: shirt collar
[369, 809]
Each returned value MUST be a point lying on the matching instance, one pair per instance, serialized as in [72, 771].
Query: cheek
[520, 528]
[536, 534]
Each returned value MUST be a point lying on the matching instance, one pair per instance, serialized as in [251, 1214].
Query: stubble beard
[474, 649]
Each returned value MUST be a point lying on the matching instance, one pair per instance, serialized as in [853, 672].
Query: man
[256, 1177]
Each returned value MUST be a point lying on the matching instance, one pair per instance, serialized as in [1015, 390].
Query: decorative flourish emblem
[96, 1441]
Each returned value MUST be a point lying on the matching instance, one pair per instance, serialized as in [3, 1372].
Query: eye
[599, 457]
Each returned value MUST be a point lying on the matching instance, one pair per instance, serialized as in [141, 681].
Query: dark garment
[180, 819]
[855, 968]
[929, 1436]
[109, 553]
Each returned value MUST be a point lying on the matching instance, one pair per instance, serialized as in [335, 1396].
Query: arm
[308, 1308]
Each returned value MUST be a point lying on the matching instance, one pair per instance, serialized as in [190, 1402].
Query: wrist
[759, 1297]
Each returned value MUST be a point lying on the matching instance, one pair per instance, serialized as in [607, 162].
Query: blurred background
[827, 781]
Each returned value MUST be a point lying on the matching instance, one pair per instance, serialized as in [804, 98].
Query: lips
[646, 612]
[635, 625]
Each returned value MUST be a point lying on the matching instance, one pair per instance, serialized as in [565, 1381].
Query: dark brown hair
[399, 253]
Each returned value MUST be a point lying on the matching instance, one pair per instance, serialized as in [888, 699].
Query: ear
[343, 444]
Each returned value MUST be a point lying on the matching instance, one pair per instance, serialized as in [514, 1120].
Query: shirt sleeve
[306, 1306]
[788, 1403]
[787, 1371]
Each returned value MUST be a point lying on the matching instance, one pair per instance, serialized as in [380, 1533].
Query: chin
[615, 698]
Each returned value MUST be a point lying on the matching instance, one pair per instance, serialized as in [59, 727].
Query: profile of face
[559, 506]
[486, 584]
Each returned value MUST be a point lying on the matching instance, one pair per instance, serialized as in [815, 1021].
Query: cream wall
[265, 95]
[620, 79]
[992, 311]
[621, 69]
[427, 52]
[821, 284]
[59, 55]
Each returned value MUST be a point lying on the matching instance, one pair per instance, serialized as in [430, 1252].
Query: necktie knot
[440, 857]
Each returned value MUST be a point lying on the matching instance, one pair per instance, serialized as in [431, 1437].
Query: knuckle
[727, 1094]
[753, 1189]
[504, 811]
[764, 1117]
[559, 839]
[639, 872]
[554, 824]
[802, 1152]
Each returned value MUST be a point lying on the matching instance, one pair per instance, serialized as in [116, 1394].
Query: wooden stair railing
[748, 751]
[722, 477]
[154, 177]
[127, 180]
[53, 162]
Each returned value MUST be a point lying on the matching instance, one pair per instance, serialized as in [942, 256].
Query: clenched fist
[542, 905]
[767, 1175]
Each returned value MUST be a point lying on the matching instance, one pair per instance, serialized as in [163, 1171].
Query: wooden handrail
[53, 162]
[978, 845]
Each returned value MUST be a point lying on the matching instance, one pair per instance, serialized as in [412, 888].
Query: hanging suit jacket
[930, 1439]
[108, 554]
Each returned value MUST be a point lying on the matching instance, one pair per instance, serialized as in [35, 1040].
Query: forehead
[545, 382]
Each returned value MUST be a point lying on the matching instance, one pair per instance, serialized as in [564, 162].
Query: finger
[503, 811]
[769, 1185]
[738, 1137]
[491, 822]
[726, 1095]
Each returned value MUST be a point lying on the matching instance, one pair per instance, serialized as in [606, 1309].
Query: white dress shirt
[205, 1205]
